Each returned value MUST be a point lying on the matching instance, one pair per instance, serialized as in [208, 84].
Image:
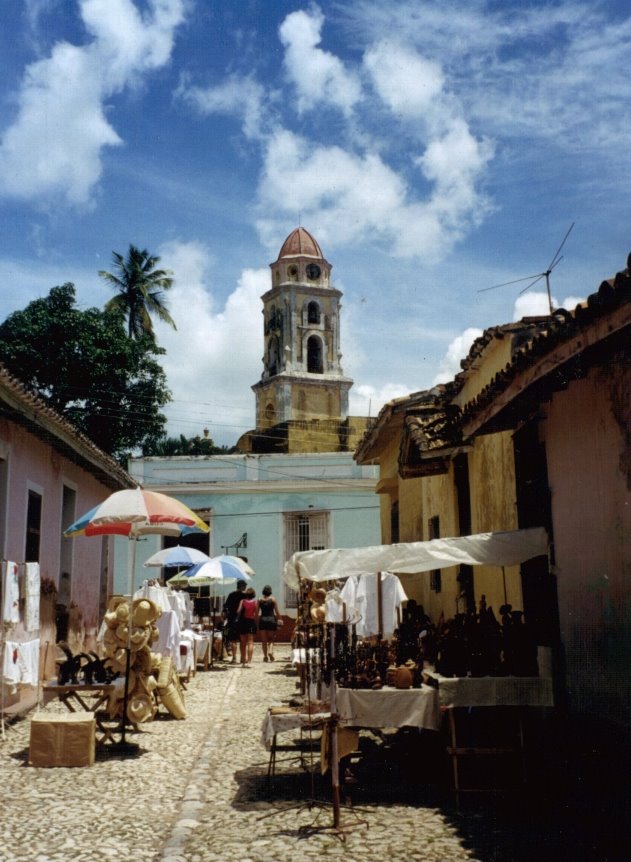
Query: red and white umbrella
[136, 512]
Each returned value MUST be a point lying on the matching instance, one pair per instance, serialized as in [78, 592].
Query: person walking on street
[269, 620]
[247, 613]
[233, 600]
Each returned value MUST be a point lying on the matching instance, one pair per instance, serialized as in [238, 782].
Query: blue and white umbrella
[177, 557]
[218, 569]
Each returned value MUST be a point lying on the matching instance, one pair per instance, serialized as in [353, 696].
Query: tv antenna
[533, 279]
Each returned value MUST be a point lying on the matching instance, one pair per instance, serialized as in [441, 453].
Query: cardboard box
[63, 740]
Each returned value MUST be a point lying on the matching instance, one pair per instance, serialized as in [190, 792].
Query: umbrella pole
[212, 623]
[123, 746]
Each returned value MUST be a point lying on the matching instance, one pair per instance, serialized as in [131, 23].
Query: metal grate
[304, 531]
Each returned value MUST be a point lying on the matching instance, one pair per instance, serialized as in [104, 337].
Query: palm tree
[140, 290]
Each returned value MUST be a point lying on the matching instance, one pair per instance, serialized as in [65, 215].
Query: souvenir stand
[393, 681]
[19, 632]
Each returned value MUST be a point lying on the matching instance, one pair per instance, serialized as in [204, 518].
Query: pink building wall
[588, 445]
[32, 464]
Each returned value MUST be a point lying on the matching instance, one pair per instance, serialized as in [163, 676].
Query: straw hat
[144, 611]
[115, 601]
[143, 659]
[140, 708]
[139, 637]
[109, 638]
[110, 619]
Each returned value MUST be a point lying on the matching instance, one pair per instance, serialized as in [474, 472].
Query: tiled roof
[552, 349]
[22, 406]
[397, 406]
[300, 243]
[427, 440]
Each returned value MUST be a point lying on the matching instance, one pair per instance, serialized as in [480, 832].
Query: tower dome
[300, 243]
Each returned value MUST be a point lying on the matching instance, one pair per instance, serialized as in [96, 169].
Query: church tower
[302, 396]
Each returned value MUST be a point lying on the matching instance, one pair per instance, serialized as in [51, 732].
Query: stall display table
[471, 691]
[84, 698]
[461, 697]
[279, 720]
[389, 707]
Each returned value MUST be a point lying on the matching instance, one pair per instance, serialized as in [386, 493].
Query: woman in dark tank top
[269, 620]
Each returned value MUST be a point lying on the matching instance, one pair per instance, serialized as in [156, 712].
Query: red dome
[300, 243]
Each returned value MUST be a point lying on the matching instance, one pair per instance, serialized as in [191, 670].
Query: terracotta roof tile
[21, 405]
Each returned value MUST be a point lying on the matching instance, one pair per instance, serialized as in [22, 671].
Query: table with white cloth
[472, 691]
[283, 720]
[186, 658]
[389, 707]
[201, 644]
[465, 698]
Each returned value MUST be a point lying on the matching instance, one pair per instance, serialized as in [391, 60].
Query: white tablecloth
[389, 707]
[274, 723]
[494, 691]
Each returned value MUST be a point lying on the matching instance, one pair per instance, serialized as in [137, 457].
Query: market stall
[385, 648]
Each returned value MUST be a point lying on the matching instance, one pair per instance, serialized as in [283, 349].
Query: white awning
[482, 549]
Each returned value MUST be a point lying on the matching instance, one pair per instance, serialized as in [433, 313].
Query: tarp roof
[491, 549]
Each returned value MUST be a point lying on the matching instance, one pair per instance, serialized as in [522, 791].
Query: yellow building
[302, 396]
[434, 483]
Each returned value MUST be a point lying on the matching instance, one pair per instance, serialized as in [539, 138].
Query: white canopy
[490, 549]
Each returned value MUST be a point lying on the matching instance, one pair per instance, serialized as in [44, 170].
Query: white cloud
[214, 350]
[457, 350]
[237, 96]
[348, 197]
[319, 76]
[535, 304]
[409, 84]
[54, 145]
[569, 59]
[367, 400]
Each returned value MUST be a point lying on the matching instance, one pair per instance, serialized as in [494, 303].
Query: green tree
[86, 367]
[170, 446]
[140, 289]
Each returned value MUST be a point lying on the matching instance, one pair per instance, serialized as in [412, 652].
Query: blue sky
[433, 149]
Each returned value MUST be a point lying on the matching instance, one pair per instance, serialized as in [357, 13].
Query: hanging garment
[363, 594]
[11, 593]
[21, 663]
[32, 593]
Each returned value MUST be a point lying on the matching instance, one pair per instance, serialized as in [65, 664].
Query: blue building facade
[262, 507]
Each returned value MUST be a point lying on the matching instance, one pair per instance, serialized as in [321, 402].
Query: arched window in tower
[315, 363]
[313, 313]
[273, 357]
[270, 412]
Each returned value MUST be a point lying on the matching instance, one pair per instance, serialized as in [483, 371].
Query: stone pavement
[198, 791]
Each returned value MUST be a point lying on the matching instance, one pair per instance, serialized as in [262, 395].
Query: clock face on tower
[313, 271]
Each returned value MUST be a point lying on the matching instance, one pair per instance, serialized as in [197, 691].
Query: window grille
[304, 531]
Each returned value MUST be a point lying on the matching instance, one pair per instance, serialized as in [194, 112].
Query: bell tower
[302, 393]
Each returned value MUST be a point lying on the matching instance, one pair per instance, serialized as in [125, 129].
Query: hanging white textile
[168, 643]
[21, 663]
[32, 591]
[10, 593]
[155, 593]
[362, 594]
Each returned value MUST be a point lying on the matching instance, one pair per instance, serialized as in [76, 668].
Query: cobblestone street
[198, 791]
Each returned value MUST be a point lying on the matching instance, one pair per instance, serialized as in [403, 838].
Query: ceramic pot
[404, 677]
